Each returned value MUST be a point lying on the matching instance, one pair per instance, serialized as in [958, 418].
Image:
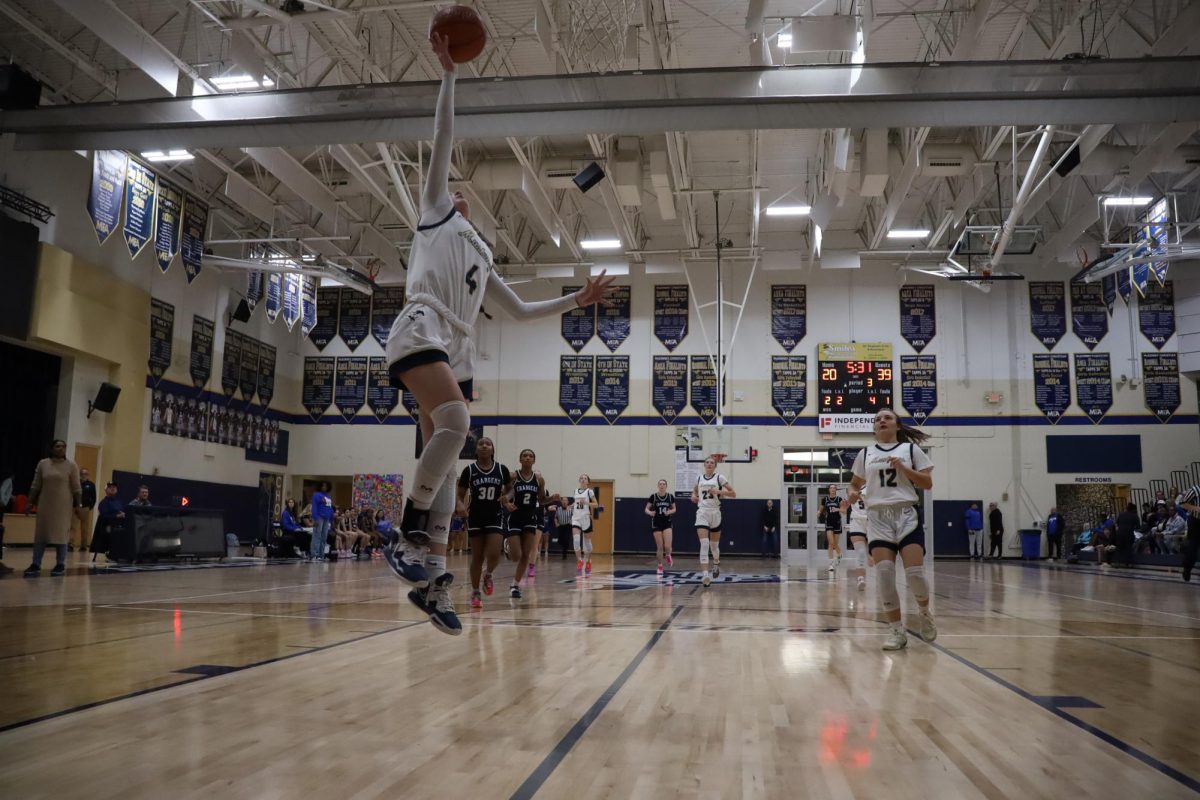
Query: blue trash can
[1031, 544]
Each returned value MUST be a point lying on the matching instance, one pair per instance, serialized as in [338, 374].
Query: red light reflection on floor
[178, 625]
[841, 745]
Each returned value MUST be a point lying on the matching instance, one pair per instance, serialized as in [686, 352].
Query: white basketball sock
[715, 548]
[704, 545]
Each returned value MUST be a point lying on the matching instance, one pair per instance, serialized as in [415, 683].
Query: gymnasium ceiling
[347, 193]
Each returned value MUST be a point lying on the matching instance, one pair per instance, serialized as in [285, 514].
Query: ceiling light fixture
[242, 82]
[908, 233]
[787, 211]
[784, 40]
[1128, 201]
[600, 244]
[158, 156]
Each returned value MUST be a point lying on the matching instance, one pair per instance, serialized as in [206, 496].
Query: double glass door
[803, 539]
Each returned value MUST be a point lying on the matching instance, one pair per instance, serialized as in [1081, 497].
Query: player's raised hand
[441, 48]
[597, 290]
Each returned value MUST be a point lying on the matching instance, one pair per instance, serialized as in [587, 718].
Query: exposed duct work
[660, 179]
[626, 171]
[874, 161]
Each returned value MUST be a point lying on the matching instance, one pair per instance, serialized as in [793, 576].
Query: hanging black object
[589, 176]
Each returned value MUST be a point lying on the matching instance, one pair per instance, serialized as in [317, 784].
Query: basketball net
[593, 36]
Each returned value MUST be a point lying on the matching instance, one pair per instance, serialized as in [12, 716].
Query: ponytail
[908, 434]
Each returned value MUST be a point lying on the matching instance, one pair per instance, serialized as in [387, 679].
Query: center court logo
[628, 579]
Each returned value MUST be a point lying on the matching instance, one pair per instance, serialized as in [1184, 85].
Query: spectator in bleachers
[289, 524]
[383, 526]
[1171, 531]
[1056, 526]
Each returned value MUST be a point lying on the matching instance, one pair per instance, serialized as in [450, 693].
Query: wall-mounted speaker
[1069, 162]
[589, 176]
[106, 399]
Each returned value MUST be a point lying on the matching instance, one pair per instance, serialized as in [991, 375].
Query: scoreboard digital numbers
[854, 380]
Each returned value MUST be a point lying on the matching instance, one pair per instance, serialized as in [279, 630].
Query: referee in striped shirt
[1190, 502]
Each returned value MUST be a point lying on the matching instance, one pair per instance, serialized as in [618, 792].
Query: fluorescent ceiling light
[1128, 201]
[330, 282]
[787, 211]
[600, 244]
[158, 156]
[242, 82]
[908, 233]
[784, 40]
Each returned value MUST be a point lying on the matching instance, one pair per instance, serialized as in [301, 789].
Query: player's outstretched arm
[435, 199]
[597, 290]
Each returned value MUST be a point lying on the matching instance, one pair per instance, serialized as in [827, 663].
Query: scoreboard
[854, 381]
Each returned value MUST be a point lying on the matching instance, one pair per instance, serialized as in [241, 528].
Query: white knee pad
[587, 546]
[576, 537]
[715, 549]
[860, 554]
[704, 545]
[889, 598]
[917, 583]
[451, 423]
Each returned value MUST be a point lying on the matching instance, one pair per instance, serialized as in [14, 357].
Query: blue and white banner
[789, 386]
[1089, 314]
[168, 210]
[292, 282]
[671, 314]
[254, 288]
[200, 365]
[382, 396]
[409, 401]
[328, 301]
[350, 387]
[195, 227]
[1109, 282]
[139, 207]
[613, 320]
[612, 386]
[317, 388]
[354, 318]
[918, 386]
[579, 324]
[1093, 385]
[1156, 313]
[703, 384]
[266, 374]
[386, 303]
[231, 363]
[1052, 384]
[576, 380]
[1047, 312]
[274, 295]
[789, 315]
[669, 386]
[107, 191]
[248, 380]
[918, 315]
[1124, 285]
[308, 305]
[1160, 384]
[162, 336]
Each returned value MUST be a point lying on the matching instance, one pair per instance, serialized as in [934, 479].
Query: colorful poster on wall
[386, 303]
[1047, 312]
[308, 305]
[1156, 313]
[139, 207]
[195, 227]
[248, 379]
[382, 396]
[266, 374]
[789, 386]
[200, 365]
[918, 315]
[579, 324]
[106, 191]
[274, 296]
[575, 385]
[162, 335]
[380, 493]
[292, 283]
[671, 314]
[168, 209]
[612, 386]
[918, 386]
[350, 386]
[231, 363]
[613, 320]
[789, 315]
[704, 389]
[1089, 314]
[669, 386]
[328, 300]
[1160, 383]
[317, 389]
[1052, 384]
[354, 318]
[1093, 385]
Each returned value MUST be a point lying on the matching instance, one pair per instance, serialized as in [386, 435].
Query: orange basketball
[462, 26]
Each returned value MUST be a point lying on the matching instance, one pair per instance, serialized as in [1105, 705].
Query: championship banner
[274, 296]
[1160, 383]
[789, 315]
[354, 318]
[789, 386]
[918, 315]
[1052, 384]
[409, 401]
[1139, 274]
[248, 380]
[613, 320]
[1047, 312]
[1089, 313]
[382, 396]
[579, 324]
[350, 386]
[328, 301]
[317, 389]
[139, 207]
[291, 299]
[386, 303]
[266, 374]
[107, 191]
[231, 363]
[704, 388]
[254, 288]
[612, 386]
[575, 385]
[1156, 313]
[671, 314]
[200, 365]
[1093, 385]
[168, 207]
[308, 305]
[1109, 283]
[1157, 236]
[162, 335]
[918, 386]
[195, 226]
[1124, 286]
[669, 386]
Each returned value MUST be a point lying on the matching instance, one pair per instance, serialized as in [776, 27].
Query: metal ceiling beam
[103, 77]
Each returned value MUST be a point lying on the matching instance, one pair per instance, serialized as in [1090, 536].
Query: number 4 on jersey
[470, 278]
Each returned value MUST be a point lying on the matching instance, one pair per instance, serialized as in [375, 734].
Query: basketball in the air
[462, 26]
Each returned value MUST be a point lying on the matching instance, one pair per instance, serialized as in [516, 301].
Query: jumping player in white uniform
[856, 525]
[886, 476]
[707, 493]
[581, 525]
[660, 507]
[430, 352]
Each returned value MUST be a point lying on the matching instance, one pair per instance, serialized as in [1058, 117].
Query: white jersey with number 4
[885, 485]
[707, 488]
[448, 269]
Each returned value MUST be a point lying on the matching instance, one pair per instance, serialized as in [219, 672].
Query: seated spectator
[1171, 531]
[348, 536]
[294, 533]
[383, 526]
[143, 496]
